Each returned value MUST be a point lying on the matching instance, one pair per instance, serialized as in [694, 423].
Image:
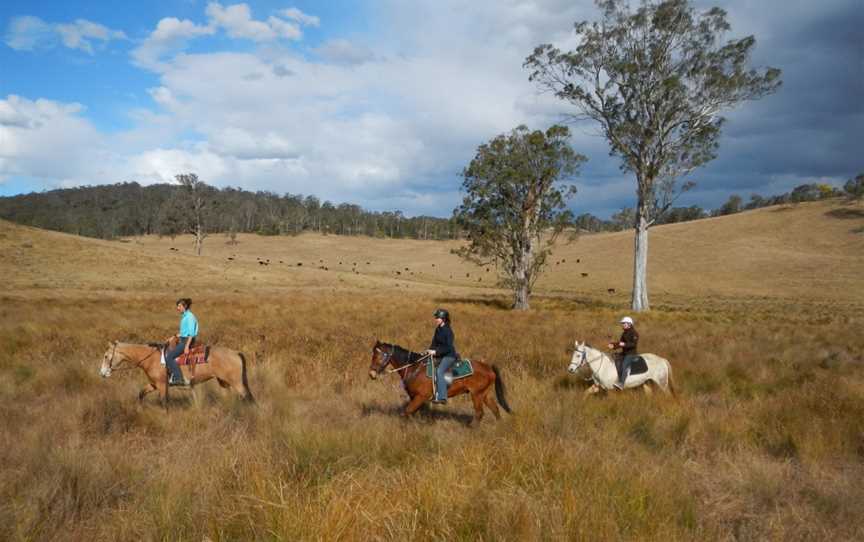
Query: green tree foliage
[854, 188]
[624, 219]
[126, 209]
[733, 205]
[515, 203]
[656, 79]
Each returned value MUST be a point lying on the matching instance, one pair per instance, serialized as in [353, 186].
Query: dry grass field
[759, 313]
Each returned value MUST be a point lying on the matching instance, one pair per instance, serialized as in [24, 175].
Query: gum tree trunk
[522, 274]
[639, 301]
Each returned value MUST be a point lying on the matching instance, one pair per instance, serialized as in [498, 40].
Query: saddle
[637, 366]
[461, 369]
[196, 356]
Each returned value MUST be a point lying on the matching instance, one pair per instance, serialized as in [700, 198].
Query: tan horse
[228, 367]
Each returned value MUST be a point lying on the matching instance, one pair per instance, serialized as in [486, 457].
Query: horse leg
[147, 389]
[415, 403]
[162, 388]
[592, 390]
[493, 406]
[646, 387]
[478, 407]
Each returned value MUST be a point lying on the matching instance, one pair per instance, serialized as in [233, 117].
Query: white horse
[605, 375]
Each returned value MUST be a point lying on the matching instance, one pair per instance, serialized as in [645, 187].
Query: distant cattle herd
[397, 272]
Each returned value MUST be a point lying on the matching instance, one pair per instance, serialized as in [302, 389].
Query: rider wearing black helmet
[442, 348]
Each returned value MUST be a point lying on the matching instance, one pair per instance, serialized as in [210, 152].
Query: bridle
[136, 364]
[584, 359]
[386, 356]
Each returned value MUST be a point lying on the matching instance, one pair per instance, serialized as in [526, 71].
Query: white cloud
[28, 33]
[171, 35]
[77, 35]
[300, 17]
[238, 23]
[342, 51]
[46, 139]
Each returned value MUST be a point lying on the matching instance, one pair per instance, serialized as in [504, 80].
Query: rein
[136, 364]
[413, 363]
[585, 359]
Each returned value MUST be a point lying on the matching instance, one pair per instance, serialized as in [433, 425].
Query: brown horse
[412, 370]
[228, 367]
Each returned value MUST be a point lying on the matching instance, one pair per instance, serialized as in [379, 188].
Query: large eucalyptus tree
[515, 203]
[656, 78]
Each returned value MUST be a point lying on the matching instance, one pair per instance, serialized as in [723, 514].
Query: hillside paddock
[764, 442]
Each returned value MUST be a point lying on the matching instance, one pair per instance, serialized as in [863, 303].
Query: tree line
[128, 209]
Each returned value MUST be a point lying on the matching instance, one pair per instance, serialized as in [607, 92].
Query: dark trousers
[171, 357]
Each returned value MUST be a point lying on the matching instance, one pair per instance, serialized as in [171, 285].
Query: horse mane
[155, 345]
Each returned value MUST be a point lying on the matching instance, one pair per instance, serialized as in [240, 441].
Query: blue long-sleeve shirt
[188, 325]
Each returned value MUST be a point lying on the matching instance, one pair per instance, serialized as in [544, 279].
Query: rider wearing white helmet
[627, 343]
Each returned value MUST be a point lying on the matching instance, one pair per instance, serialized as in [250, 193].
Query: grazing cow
[610, 290]
[299, 264]
[584, 274]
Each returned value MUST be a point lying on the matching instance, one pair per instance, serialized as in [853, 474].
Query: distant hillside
[810, 250]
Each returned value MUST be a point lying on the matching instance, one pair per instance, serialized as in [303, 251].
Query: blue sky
[381, 102]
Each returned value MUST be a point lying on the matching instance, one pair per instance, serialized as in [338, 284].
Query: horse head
[108, 360]
[579, 357]
[382, 354]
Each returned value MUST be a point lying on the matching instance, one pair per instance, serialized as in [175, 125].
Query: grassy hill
[757, 312]
[811, 250]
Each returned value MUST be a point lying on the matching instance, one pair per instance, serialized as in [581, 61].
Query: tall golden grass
[765, 442]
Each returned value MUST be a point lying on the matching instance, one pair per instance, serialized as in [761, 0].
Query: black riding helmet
[442, 314]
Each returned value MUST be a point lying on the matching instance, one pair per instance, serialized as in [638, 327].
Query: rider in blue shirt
[185, 340]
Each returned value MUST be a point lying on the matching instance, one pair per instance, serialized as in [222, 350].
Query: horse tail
[500, 391]
[669, 380]
[249, 397]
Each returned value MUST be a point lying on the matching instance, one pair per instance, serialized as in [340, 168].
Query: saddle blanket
[460, 369]
[196, 356]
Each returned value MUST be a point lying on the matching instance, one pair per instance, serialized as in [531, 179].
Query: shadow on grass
[425, 413]
[494, 303]
[846, 213]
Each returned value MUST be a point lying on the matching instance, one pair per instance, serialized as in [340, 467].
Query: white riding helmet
[626, 320]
